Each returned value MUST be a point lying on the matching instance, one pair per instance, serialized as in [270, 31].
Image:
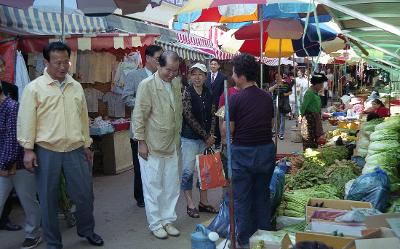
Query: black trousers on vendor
[138, 187]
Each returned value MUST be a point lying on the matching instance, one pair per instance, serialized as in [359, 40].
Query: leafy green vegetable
[395, 206]
[340, 173]
[382, 135]
[391, 123]
[382, 146]
[387, 159]
[370, 125]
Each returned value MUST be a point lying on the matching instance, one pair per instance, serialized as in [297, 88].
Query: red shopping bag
[210, 170]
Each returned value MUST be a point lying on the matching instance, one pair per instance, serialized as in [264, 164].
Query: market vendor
[379, 108]
[310, 111]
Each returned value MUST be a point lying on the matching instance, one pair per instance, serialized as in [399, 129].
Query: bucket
[202, 238]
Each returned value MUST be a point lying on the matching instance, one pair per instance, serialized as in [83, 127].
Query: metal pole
[295, 92]
[277, 119]
[62, 21]
[229, 157]
[261, 46]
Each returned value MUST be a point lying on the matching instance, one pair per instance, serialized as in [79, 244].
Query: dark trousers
[6, 211]
[138, 187]
[252, 169]
[79, 186]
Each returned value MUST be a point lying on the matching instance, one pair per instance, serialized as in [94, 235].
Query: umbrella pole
[261, 47]
[229, 156]
[62, 21]
[295, 92]
[277, 119]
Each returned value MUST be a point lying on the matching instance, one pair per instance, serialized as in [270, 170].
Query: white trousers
[160, 179]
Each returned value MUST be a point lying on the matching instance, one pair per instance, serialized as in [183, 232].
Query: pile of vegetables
[326, 156]
[316, 162]
[364, 135]
[395, 206]
[384, 150]
[347, 135]
[294, 202]
[341, 172]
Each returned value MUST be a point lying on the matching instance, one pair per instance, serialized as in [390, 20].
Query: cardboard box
[329, 227]
[333, 204]
[333, 241]
[272, 240]
[385, 243]
[378, 221]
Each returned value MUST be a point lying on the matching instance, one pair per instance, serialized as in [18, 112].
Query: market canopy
[106, 41]
[32, 21]
[378, 41]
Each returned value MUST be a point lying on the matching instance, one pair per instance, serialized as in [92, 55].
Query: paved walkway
[121, 223]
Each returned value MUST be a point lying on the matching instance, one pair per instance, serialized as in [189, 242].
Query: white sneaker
[171, 230]
[160, 233]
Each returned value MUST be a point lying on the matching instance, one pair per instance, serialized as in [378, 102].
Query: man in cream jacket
[157, 119]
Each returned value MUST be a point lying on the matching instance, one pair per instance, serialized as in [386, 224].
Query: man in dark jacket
[215, 82]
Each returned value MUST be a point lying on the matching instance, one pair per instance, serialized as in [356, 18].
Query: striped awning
[183, 51]
[197, 42]
[106, 41]
[32, 21]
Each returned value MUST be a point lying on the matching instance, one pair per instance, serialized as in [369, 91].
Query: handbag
[210, 170]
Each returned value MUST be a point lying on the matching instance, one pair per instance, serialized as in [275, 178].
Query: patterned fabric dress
[311, 129]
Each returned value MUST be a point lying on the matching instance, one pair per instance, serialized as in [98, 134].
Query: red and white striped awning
[221, 55]
[104, 41]
[197, 42]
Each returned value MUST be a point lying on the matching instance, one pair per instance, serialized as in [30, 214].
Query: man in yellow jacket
[53, 128]
[157, 119]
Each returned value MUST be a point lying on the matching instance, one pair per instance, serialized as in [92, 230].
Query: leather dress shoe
[93, 239]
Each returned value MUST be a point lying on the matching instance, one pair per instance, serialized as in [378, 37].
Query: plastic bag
[357, 215]
[286, 221]
[372, 187]
[220, 224]
[347, 187]
[359, 160]
[277, 186]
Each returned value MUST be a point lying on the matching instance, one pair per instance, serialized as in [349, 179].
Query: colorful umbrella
[245, 12]
[283, 38]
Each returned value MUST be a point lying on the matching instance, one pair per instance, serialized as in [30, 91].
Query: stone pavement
[121, 223]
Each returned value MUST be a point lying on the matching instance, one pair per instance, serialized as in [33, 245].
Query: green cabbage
[381, 135]
[388, 158]
[370, 125]
[391, 123]
[383, 146]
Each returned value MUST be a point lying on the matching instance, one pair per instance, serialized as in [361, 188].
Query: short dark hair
[152, 49]
[55, 46]
[372, 116]
[168, 54]
[216, 60]
[318, 78]
[378, 102]
[246, 65]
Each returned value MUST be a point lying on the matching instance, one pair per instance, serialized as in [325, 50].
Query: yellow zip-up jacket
[52, 117]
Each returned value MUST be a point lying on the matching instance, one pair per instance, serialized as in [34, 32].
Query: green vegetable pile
[369, 126]
[384, 150]
[339, 173]
[294, 202]
[395, 206]
[326, 156]
[313, 171]
[296, 227]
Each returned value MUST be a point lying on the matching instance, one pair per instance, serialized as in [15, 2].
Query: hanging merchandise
[116, 107]
[95, 67]
[131, 62]
[93, 96]
[21, 73]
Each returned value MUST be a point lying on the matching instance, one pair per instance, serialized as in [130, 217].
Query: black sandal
[193, 212]
[207, 208]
